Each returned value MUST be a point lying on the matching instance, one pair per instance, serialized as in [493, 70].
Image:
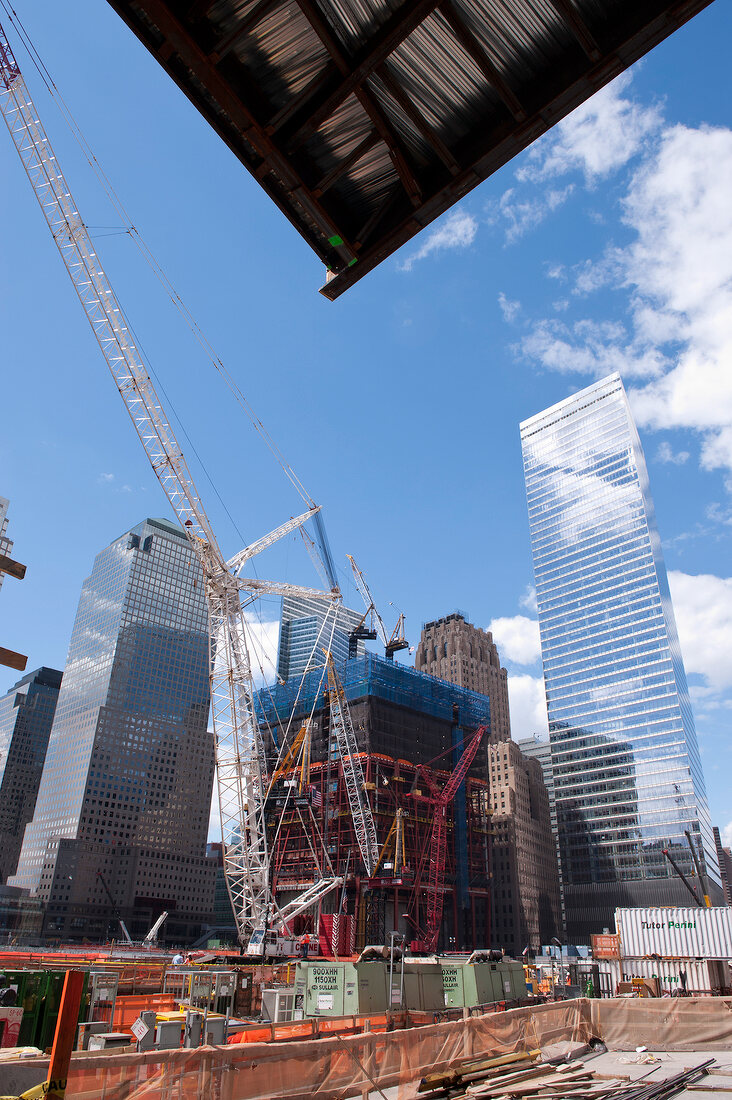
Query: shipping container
[675, 933]
[709, 976]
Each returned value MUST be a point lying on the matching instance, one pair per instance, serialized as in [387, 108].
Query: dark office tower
[455, 650]
[121, 818]
[725, 866]
[26, 716]
[628, 780]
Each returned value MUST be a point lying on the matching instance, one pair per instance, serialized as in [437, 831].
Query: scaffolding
[373, 677]
[385, 899]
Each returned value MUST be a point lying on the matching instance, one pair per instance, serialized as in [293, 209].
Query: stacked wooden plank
[522, 1077]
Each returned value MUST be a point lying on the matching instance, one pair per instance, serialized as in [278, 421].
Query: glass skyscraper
[26, 717]
[306, 626]
[122, 812]
[627, 773]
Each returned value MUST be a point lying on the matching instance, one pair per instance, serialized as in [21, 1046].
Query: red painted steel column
[63, 1040]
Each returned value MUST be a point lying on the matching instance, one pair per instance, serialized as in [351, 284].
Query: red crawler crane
[440, 800]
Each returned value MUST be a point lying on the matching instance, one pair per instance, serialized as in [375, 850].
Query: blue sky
[606, 246]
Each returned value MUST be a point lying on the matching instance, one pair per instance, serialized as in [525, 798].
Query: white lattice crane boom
[345, 738]
[240, 762]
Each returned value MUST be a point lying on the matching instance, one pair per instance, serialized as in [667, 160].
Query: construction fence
[358, 1065]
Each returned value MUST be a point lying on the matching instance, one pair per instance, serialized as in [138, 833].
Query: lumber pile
[522, 1077]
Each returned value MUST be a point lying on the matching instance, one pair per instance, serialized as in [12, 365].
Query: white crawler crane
[240, 758]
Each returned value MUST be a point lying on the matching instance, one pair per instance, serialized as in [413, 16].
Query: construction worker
[304, 945]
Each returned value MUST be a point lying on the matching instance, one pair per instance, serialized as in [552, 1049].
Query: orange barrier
[128, 1008]
[334, 1066]
[311, 1029]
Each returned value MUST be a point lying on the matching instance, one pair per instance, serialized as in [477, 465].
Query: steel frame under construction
[389, 704]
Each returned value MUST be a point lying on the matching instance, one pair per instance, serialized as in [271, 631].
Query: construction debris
[522, 1075]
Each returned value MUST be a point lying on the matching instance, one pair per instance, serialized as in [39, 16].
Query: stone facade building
[526, 902]
[525, 877]
[455, 650]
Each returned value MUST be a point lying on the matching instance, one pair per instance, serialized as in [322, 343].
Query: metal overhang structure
[364, 120]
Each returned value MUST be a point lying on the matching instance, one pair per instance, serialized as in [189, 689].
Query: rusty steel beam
[11, 659]
[506, 141]
[373, 110]
[179, 40]
[12, 568]
[569, 14]
[227, 41]
[414, 115]
[327, 181]
[396, 29]
[474, 49]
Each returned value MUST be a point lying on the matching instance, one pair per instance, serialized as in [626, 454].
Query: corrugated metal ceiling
[366, 119]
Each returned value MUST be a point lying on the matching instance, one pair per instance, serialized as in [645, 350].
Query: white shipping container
[701, 977]
[675, 933]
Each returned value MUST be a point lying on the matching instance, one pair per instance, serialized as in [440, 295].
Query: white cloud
[509, 308]
[214, 819]
[528, 600]
[457, 230]
[676, 273]
[519, 215]
[590, 347]
[680, 270]
[527, 703]
[726, 835]
[104, 479]
[517, 638]
[592, 275]
[596, 139]
[665, 454]
[718, 514]
[262, 641]
[703, 611]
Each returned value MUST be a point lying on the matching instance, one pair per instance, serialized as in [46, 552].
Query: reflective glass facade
[26, 716]
[627, 773]
[126, 788]
[305, 631]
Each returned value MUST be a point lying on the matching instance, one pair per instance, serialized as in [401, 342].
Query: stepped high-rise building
[122, 813]
[26, 717]
[627, 774]
[525, 906]
[455, 650]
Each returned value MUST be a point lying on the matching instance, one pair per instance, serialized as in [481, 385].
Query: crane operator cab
[267, 944]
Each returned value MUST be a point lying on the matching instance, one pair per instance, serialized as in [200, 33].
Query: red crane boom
[440, 800]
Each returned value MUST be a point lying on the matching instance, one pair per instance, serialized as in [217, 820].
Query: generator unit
[467, 984]
[340, 988]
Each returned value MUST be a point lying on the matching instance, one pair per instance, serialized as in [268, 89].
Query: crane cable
[178, 303]
[149, 256]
